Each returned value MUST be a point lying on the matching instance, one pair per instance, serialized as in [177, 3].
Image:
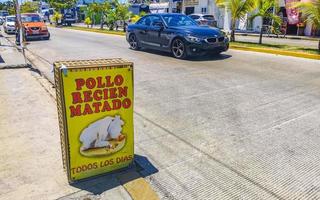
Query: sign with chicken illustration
[95, 108]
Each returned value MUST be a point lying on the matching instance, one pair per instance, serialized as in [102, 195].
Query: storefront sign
[95, 107]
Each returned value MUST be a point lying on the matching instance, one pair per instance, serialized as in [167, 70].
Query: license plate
[35, 31]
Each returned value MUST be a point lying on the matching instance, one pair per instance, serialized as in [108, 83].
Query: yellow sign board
[95, 107]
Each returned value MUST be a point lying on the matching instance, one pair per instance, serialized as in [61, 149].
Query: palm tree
[104, 8]
[264, 10]
[124, 14]
[311, 13]
[93, 8]
[238, 10]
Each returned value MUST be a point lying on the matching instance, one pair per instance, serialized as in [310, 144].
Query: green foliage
[88, 21]
[56, 17]
[8, 6]
[62, 4]
[112, 17]
[29, 7]
[97, 12]
[310, 11]
[263, 9]
[123, 12]
[135, 18]
[141, 14]
[238, 10]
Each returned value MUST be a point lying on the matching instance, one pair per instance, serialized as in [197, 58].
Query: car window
[145, 21]
[30, 18]
[179, 20]
[154, 19]
[11, 19]
[208, 17]
[194, 16]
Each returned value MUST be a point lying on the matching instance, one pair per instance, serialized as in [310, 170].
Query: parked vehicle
[9, 25]
[206, 20]
[176, 33]
[34, 27]
[68, 19]
[3, 14]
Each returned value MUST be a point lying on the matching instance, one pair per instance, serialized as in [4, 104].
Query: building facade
[291, 19]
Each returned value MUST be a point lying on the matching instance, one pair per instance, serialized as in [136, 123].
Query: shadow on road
[141, 167]
[206, 57]
[210, 57]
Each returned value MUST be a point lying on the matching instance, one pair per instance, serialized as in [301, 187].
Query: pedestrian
[47, 15]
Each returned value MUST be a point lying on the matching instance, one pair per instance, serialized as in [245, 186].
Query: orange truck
[34, 26]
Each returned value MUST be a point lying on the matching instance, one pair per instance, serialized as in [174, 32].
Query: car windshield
[30, 18]
[11, 19]
[179, 20]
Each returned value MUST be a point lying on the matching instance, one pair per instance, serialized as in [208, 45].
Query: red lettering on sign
[79, 83]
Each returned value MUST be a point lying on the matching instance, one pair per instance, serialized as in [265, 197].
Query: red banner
[292, 13]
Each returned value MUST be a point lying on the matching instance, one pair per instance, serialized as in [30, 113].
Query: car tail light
[203, 21]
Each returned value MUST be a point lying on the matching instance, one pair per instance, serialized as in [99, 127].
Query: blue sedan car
[176, 33]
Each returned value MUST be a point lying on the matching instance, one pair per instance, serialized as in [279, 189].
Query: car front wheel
[133, 42]
[178, 49]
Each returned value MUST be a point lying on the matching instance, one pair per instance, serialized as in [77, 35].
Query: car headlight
[193, 39]
[44, 28]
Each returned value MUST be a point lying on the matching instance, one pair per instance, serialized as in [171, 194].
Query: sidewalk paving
[31, 165]
[9, 55]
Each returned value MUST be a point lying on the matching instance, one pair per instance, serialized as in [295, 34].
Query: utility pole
[20, 28]
[18, 16]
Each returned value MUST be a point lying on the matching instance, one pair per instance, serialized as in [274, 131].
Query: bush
[88, 21]
[135, 18]
[56, 17]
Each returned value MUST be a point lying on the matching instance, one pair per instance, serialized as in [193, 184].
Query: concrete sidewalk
[31, 165]
[9, 55]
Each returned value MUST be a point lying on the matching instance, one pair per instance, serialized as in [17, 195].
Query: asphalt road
[241, 125]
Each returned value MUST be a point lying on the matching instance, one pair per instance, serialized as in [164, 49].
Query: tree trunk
[261, 32]
[102, 21]
[233, 27]
[92, 22]
[111, 26]
[124, 26]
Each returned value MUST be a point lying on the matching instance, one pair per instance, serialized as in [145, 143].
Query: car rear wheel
[178, 49]
[133, 42]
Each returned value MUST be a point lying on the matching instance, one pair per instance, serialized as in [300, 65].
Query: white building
[223, 17]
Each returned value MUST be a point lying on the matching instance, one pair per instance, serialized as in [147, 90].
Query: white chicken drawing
[100, 132]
